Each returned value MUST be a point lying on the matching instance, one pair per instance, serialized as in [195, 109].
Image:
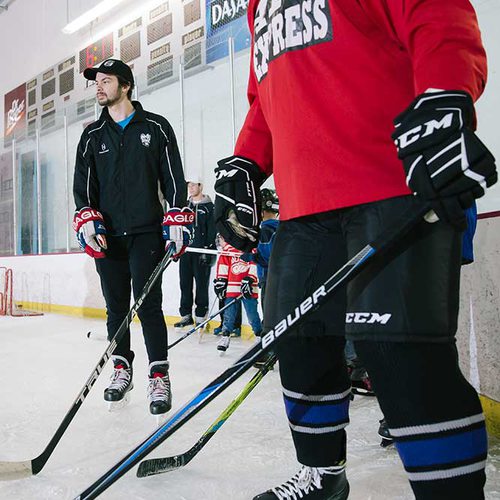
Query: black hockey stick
[18, 470]
[167, 464]
[201, 325]
[351, 269]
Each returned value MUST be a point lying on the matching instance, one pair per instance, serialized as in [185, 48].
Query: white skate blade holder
[161, 418]
[114, 406]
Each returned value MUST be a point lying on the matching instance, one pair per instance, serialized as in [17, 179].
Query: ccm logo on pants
[366, 317]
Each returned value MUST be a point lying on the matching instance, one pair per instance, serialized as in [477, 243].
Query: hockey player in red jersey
[363, 110]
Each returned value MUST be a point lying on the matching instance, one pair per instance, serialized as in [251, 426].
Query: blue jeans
[252, 314]
[349, 351]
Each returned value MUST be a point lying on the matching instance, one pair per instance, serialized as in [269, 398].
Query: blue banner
[225, 19]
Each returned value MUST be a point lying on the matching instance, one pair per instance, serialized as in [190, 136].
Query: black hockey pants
[191, 269]
[402, 315]
[133, 258]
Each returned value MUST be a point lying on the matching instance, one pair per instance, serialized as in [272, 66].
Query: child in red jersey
[236, 278]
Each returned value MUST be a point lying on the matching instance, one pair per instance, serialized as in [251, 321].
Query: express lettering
[284, 25]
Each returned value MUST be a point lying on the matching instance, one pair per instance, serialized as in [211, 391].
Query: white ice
[44, 362]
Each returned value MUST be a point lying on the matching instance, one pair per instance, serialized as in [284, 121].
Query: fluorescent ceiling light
[119, 22]
[81, 21]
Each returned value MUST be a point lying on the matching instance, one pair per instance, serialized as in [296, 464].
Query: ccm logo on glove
[413, 135]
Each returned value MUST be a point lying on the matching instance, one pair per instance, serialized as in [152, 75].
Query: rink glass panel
[205, 104]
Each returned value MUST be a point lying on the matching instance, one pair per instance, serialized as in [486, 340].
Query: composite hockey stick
[18, 470]
[351, 269]
[167, 464]
[202, 324]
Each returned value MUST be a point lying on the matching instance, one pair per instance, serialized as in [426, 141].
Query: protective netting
[8, 305]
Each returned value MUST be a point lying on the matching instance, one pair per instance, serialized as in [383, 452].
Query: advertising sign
[226, 18]
[15, 112]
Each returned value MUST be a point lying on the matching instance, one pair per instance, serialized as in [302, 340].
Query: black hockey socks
[434, 417]
[316, 391]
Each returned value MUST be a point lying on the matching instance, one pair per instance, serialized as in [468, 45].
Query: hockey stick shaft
[17, 470]
[214, 252]
[202, 331]
[201, 325]
[167, 464]
[351, 269]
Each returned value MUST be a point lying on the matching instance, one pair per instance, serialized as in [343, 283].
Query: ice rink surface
[44, 362]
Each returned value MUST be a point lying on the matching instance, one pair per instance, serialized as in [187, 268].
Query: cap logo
[108, 63]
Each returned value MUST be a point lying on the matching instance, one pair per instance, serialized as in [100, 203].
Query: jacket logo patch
[145, 139]
[284, 25]
[104, 149]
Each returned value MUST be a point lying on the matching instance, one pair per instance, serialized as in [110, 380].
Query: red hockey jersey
[234, 270]
[327, 79]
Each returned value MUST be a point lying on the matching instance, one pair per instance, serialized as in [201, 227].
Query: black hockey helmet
[270, 202]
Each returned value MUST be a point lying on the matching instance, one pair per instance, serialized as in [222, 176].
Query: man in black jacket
[196, 266]
[123, 160]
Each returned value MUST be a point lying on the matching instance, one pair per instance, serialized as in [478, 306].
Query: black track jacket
[122, 172]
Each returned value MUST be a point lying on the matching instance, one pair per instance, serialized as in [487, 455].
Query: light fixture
[100, 9]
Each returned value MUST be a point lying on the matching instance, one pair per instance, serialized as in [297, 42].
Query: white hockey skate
[159, 391]
[117, 393]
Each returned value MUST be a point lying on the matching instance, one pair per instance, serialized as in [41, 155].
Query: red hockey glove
[178, 228]
[90, 232]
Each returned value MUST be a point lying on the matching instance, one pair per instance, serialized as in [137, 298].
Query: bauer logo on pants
[287, 322]
[284, 25]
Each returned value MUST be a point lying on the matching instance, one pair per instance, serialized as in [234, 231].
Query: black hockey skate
[311, 483]
[116, 394]
[159, 393]
[383, 432]
[360, 381]
[261, 362]
[184, 321]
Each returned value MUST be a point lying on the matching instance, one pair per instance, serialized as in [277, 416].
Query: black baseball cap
[111, 67]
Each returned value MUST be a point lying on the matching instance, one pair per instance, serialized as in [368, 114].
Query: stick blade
[160, 465]
[15, 470]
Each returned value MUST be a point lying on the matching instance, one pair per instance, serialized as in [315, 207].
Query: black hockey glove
[445, 162]
[220, 288]
[207, 260]
[238, 201]
[246, 287]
